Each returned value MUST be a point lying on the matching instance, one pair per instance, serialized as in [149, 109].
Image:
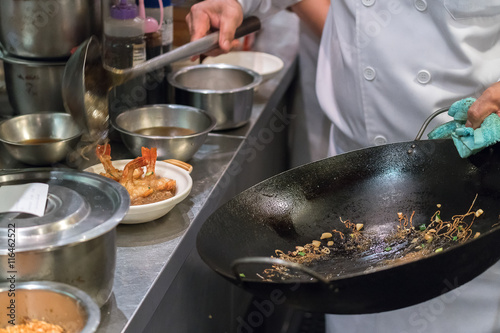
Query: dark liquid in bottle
[165, 131]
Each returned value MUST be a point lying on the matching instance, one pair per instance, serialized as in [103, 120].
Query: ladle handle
[202, 45]
[249, 25]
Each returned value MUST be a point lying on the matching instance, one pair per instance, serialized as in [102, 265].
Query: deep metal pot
[224, 91]
[46, 29]
[74, 242]
[33, 86]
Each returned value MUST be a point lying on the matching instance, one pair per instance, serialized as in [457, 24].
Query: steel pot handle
[428, 120]
[274, 261]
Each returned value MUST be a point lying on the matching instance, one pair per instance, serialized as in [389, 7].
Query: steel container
[54, 303]
[224, 91]
[180, 146]
[46, 29]
[33, 86]
[74, 242]
[40, 138]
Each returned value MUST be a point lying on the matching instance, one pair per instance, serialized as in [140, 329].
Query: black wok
[366, 186]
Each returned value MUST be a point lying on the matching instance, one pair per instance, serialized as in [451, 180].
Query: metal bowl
[46, 29]
[267, 65]
[40, 138]
[224, 91]
[55, 303]
[177, 131]
[33, 86]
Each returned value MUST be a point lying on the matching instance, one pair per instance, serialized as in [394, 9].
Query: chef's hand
[224, 15]
[486, 104]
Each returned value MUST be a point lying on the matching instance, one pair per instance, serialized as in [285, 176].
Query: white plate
[153, 211]
[267, 65]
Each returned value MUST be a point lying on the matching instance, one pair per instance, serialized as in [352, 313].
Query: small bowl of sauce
[40, 139]
[177, 131]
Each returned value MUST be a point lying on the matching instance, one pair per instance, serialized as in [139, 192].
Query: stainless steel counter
[150, 255]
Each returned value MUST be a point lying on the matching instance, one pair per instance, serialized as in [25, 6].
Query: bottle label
[167, 34]
[139, 54]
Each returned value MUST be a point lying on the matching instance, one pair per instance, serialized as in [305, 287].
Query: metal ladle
[86, 83]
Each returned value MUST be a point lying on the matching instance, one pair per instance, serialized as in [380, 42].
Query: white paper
[25, 198]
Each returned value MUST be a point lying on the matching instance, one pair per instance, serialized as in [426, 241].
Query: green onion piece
[302, 253]
[455, 238]
[242, 275]
[423, 245]
[439, 250]
[422, 227]
[438, 217]
[388, 248]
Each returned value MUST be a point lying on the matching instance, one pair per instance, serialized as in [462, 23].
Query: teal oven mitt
[466, 140]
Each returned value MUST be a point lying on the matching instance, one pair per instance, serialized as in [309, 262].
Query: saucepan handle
[274, 261]
[428, 120]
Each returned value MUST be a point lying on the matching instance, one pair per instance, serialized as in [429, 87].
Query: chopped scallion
[388, 248]
[439, 250]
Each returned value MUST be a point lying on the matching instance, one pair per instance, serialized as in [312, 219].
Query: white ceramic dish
[267, 65]
[151, 212]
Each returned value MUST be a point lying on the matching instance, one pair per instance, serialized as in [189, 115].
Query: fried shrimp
[143, 186]
[103, 153]
[136, 189]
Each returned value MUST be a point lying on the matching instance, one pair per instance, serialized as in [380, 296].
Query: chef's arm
[227, 15]
[486, 104]
[313, 13]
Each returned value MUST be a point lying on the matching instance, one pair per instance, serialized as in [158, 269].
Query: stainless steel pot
[46, 28]
[33, 86]
[74, 242]
[224, 91]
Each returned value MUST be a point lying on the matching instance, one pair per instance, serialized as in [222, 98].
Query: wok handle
[428, 120]
[274, 261]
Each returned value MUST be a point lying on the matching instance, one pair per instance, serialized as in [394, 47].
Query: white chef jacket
[383, 67]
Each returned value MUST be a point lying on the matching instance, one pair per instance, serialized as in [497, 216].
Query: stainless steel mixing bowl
[40, 138]
[224, 91]
[46, 29]
[52, 302]
[155, 124]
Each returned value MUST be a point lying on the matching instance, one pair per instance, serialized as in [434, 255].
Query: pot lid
[80, 206]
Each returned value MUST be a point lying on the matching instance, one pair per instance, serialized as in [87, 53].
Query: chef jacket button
[369, 73]
[368, 3]
[423, 77]
[379, 140]
[421, 5]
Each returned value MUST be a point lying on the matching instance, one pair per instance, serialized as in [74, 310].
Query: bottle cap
[155, 4]
[124, 11]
